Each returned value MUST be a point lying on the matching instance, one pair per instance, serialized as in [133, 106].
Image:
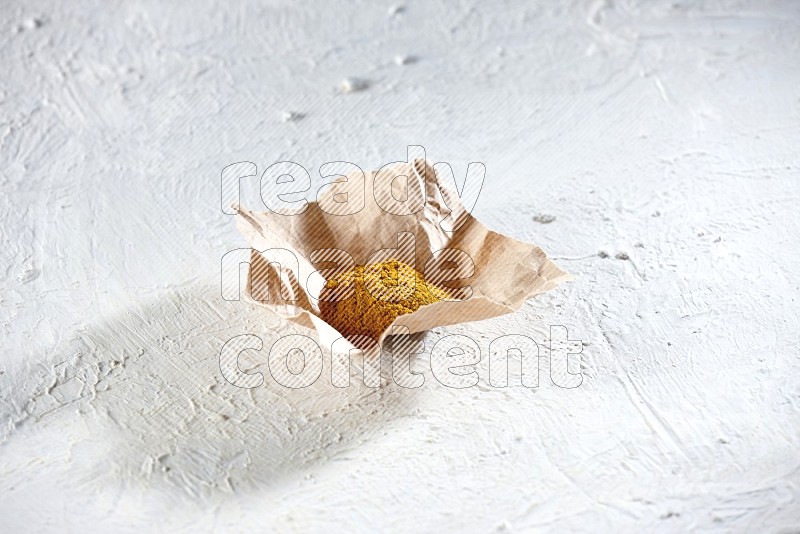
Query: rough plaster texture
[650, 147]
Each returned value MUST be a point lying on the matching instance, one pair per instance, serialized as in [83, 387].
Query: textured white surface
[663, 132]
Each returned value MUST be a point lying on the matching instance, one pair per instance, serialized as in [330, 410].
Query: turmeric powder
[365, 300]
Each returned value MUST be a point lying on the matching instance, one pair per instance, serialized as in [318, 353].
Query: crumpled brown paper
[292, 255]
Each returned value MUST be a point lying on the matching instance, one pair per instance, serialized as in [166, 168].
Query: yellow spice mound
[380, 293]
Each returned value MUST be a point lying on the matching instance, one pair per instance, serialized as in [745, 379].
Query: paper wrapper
[293, 255]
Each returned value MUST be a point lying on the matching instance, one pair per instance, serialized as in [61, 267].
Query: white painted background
[663, 132]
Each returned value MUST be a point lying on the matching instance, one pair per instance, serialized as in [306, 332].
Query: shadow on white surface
[139, 399]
